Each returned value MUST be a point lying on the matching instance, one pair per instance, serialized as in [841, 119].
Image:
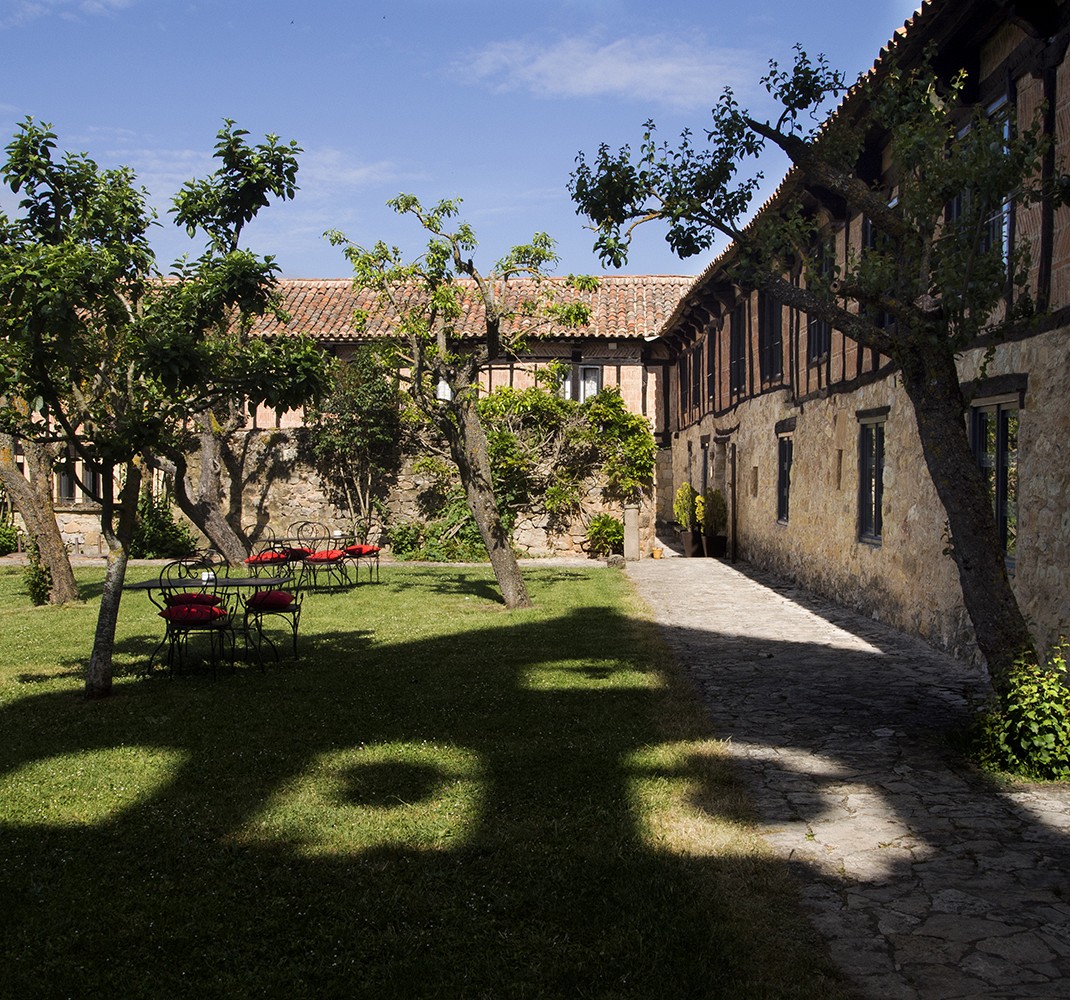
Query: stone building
[282, 487]
[613, 350]
[813, 439]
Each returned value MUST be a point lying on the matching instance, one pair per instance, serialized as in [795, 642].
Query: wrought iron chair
[326, 556]
[369, 554]
[266, 604]
[192, 606]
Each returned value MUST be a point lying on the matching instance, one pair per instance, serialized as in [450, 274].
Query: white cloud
[14, 13]
[667, 69]
[331, 169]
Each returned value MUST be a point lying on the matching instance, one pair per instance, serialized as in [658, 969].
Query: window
[877, 242]
[770, 342]
[818, 331]
[994, 436]
[711, 363]
[65, 479]
[870, 479]
[737, 350]
[996, 226]
[584, 382]
[685, 383]
[696, 376]
[783, 477]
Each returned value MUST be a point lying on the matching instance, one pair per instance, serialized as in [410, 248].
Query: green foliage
[605, 535]
[9, 536]
[683, 507]
[355, 433]
[36, 576]
[157, 535]
[714, 517]
[1027, 730]
[937, 273]
[449, 535]
[544, 449]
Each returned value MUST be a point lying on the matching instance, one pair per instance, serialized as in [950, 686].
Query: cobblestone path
[926, 880]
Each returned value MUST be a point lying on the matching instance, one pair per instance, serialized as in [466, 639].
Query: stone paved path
[927, 881]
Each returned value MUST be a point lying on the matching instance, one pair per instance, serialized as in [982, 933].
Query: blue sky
[487, 101]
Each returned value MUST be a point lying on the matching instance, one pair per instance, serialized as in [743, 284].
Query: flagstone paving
[928, 881]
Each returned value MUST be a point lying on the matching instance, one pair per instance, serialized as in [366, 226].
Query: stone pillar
[631, 532]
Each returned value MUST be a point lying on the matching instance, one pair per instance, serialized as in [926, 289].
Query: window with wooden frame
[819, 331]
[737, 350]
[770, 338]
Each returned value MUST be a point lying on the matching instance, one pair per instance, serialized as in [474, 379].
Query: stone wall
[293, 492]
[906, 580]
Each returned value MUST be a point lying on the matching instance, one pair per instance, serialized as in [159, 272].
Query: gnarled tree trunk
[32, 498]
[931, 381]
[470, 452]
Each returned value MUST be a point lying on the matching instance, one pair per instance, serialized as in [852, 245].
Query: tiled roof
[623, 306]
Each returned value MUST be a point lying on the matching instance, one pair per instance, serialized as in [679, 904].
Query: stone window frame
[999, 467]
[785, 434]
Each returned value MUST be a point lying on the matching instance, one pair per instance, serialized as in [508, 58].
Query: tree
[100, 355]
[219, 207]
[453, 320]
[355, 433]
[31, 494]
[932, 281]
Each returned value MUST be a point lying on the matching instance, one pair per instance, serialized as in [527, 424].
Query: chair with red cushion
[268, 559]
[266, 604]
[328, 555]
[193, 604]
[369, 553]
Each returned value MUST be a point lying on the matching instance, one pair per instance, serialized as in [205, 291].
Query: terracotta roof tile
[623, 307]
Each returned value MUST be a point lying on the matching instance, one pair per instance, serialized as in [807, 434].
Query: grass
[440, 799]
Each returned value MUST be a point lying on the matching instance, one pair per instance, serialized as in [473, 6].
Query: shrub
[714, 517]
[37, 577]
[683, 507]
[157, 534]
[605, 535]
[9, 537]
[1027, 730]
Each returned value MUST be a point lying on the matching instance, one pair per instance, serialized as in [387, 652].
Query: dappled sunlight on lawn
[589, 674]
[86, 788]
[684, 803]
[416, 796]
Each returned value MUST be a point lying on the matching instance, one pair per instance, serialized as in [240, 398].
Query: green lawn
[440, 799]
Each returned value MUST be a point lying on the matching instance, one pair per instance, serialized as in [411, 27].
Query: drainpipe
[732, 490]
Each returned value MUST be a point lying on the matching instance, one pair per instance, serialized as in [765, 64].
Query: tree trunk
[468, 446]
[203, 503]
[932, 383]
[33, 499]
[98, 676]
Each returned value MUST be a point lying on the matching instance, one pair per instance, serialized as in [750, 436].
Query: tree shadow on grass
[270, 848]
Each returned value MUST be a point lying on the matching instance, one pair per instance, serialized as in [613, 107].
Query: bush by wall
[1027, 731]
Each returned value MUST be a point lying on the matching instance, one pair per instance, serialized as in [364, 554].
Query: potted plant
[715, 523]
[687, 524]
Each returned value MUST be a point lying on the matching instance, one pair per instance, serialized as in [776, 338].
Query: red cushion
[270, 556]
[326, 555]
[270, 600]
[361, 550]
[194, 598]
[193, 613]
